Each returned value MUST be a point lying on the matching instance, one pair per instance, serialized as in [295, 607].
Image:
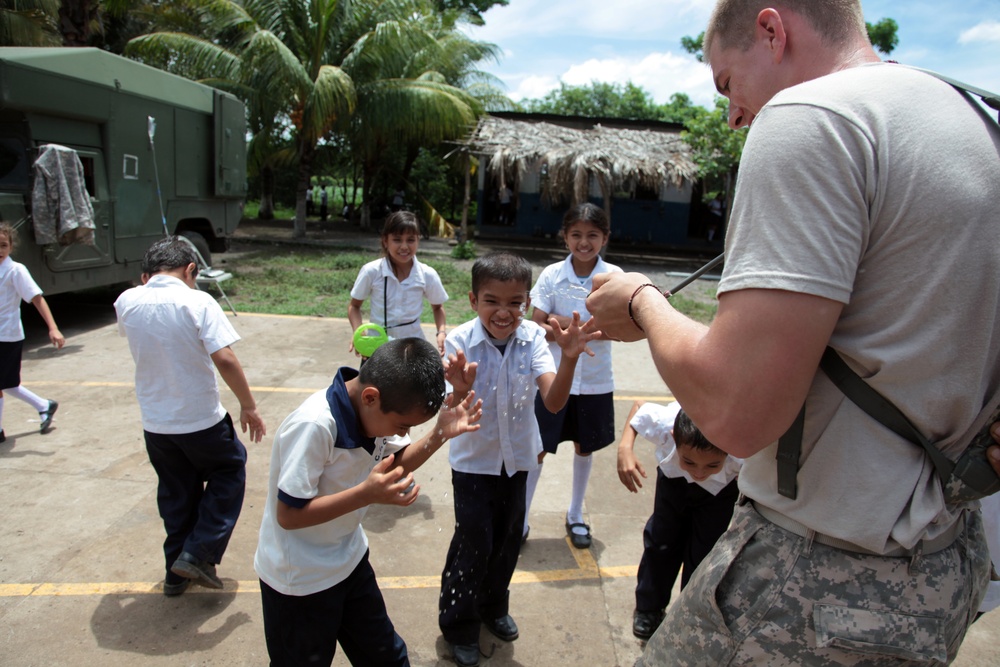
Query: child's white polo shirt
[654, 422]
[318, 450]
[377, 281]
[16, 285]
[172, 332]
[508, 432]
[559, 291]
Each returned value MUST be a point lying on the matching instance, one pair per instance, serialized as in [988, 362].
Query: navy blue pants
[489, 516]
[200, 494]
[686, 522]
[304, 629]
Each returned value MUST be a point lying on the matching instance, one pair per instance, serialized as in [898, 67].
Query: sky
[545, 42]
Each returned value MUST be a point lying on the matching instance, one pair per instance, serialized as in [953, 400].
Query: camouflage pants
[765, 596]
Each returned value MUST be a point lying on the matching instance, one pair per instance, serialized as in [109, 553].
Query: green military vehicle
[159, 154]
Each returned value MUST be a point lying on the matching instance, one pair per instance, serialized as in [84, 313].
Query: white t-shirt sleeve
[804, 237]
[542, 361]
[306, 448]
[214, 329]
[433, 289]
[362, 289]
[542, 294]
[25, 285]
[654, 421]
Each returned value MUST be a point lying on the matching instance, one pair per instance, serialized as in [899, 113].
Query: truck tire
[199, 242]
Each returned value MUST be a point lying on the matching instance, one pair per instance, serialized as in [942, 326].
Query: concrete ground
[80, 539]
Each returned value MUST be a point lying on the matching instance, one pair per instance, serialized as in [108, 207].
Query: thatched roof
[615, 155]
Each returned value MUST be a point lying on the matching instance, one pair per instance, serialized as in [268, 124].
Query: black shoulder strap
[873, 403]
[856, 389]
[991, 100]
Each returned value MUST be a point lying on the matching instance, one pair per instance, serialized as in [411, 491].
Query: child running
[588, 420]
[16, 284]
[397, 284]
[490, 466]
[696, 490]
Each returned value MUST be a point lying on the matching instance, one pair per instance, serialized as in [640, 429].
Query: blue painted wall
[632, 221]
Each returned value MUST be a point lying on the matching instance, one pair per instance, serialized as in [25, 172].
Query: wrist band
[631, 298]
[442, 331]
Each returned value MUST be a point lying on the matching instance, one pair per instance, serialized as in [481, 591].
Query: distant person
[310, 204]
[588, 419]
[398, 283]
[696, 491]
[490, 466]
[16, 285]
[715, 216]
[506, 205]
[345, 448]
[398, 200]
[324, 201]
[179, 337]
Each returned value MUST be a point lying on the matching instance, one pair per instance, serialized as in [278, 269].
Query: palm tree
[325, 65]
[30, 23]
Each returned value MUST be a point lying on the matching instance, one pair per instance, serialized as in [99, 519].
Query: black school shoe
[644, 623]
[46, 416]
[466, 655]
[200, 571]
[173, 590]
[579, 540]
[503, 628]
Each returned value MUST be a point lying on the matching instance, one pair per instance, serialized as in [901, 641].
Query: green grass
[317, 282]
[699, 311]
[300, 280]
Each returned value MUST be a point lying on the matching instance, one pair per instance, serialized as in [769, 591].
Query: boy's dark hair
[408, 374]
[586, 212]
[168, 254]
[686, 433]
[501, 266]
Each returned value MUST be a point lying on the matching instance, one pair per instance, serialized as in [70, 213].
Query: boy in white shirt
[178, 337]
[696, 490]
[343, 449]
[490, 466]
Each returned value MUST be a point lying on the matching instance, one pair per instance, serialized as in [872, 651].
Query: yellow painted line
[281, 390]
[588, 570]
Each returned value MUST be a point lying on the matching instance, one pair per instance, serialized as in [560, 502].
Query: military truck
[160, 154]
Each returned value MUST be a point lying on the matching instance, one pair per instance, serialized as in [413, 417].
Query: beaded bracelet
[631, 298]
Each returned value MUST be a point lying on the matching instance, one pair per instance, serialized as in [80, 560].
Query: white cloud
[594, 19]
[534, 86]
[661, 74]
[987, 31]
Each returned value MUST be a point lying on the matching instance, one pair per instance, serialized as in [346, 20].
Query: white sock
[529, 493]
[29, 397]
[581, 475]
[1, 412]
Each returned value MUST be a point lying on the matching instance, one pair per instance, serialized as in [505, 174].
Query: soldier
[867, 562]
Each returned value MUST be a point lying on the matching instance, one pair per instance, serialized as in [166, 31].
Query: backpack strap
[866, 398]
[991, 100]
[873, 403]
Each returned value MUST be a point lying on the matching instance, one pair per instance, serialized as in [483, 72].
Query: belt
[942, 541]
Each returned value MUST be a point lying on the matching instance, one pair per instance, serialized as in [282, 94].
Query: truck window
[88, 174]
[13, 164]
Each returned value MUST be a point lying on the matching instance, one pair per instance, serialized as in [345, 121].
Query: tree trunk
[467, 168]
[266, 194]
[307, 152]
[75, 19]
[606, 194]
